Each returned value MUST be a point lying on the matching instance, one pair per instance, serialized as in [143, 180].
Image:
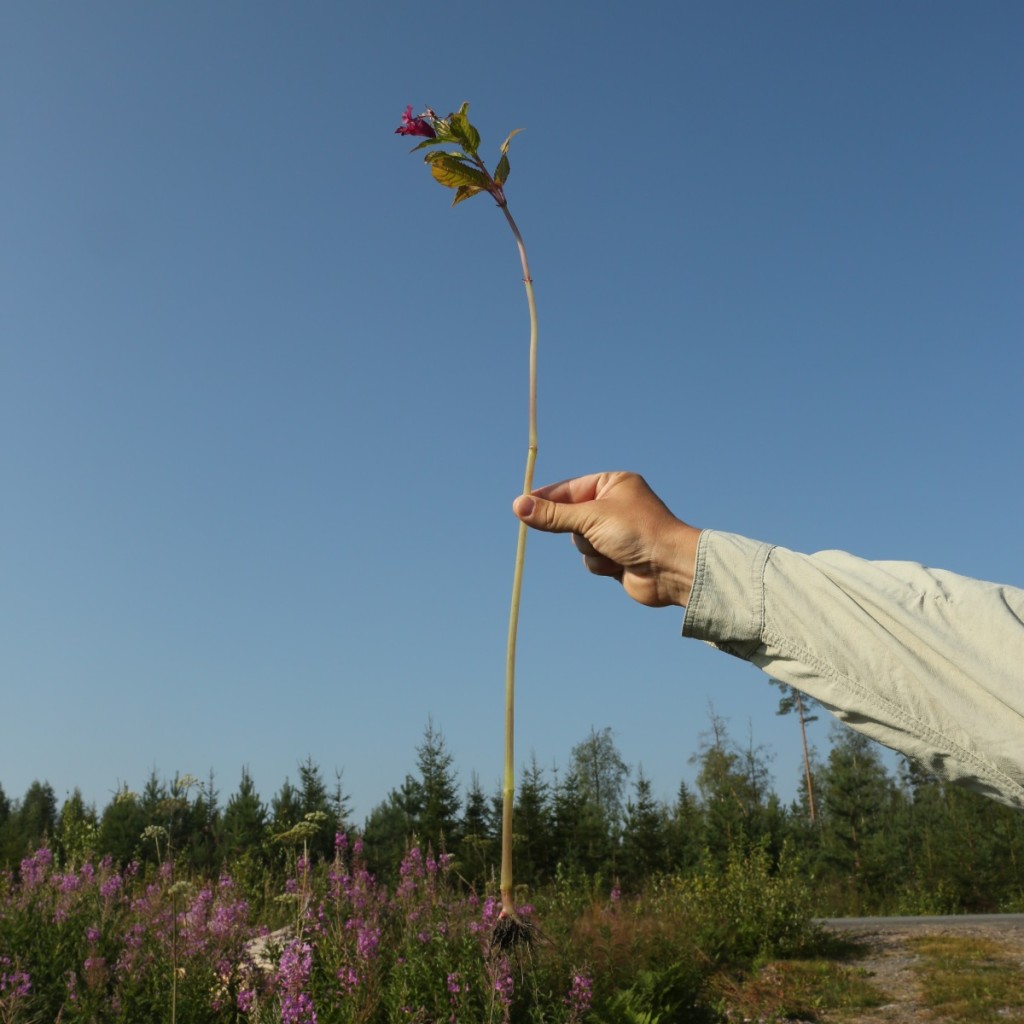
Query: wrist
[680, 561]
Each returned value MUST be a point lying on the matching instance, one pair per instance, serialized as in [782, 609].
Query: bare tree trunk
[807, 759]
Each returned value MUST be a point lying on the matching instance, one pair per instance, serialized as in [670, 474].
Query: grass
[969, 979]
[787, 990]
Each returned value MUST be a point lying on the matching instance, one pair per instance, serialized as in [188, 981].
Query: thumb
[549, 516]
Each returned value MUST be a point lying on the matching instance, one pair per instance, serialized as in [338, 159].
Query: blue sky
[262, 393]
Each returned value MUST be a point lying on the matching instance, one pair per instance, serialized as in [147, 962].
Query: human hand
[623, 529]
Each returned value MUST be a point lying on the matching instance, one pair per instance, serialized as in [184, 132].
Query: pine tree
[792, 700]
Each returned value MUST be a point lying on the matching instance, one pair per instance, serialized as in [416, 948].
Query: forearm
[926, 662]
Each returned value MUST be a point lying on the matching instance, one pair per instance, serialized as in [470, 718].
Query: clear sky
[262, 392]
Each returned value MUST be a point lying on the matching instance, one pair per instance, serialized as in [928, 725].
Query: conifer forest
[174, 902]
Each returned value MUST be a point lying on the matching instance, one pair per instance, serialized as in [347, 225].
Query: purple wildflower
[503, 983]
[14, 981]
[349, 979]
[489, 913]
[292, 975]
[418, 125]
[35, 868]
[367, 941]
[580, 996]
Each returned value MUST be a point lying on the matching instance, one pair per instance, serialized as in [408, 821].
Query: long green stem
[508, 789]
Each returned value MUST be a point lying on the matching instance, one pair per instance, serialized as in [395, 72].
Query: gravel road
[892, 965]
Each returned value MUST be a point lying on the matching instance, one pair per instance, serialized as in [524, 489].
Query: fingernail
[526, 506]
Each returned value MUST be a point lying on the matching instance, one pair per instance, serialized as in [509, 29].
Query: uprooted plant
[452, 145]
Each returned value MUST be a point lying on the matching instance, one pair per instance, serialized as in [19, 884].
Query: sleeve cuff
[726, 606]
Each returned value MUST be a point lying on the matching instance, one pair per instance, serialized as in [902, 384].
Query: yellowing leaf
[453, 173]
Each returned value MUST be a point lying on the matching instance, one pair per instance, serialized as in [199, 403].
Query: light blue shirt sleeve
[922, 660]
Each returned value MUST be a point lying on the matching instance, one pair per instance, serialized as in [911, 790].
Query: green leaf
[501, 171]
[466, 135]
[429, 142]
[455, 155]
[444, 130]
[453, 173]
[466, 192]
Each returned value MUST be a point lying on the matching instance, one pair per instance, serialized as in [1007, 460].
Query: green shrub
[750, 910]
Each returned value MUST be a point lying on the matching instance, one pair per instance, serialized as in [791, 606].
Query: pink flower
[415, 125]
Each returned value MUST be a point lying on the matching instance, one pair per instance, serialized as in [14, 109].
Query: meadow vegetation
[167, 906]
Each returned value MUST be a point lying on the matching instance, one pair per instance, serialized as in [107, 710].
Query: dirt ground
[891, 966]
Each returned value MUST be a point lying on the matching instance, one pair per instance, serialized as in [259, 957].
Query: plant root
[510, 933]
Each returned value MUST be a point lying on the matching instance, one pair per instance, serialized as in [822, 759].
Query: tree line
[869, 839]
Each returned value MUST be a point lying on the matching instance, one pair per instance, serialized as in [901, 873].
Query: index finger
[573, 491]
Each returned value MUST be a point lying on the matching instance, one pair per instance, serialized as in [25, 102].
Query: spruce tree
[858, 807]
[685, 832]
[438, 821]
[121, 827]
[645, 845]
[391, 827]
[5, 817]
[34, 822]
[285, 808]
[533, 826]
[478, 843]
[314, 800]
[245, 819]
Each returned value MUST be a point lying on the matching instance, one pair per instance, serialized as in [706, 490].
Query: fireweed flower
[367, 942]
[504, 986]
[293, 975]
[415, 125]
[15, 981]
[35, 868]
[348, 978]
[580, 996]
